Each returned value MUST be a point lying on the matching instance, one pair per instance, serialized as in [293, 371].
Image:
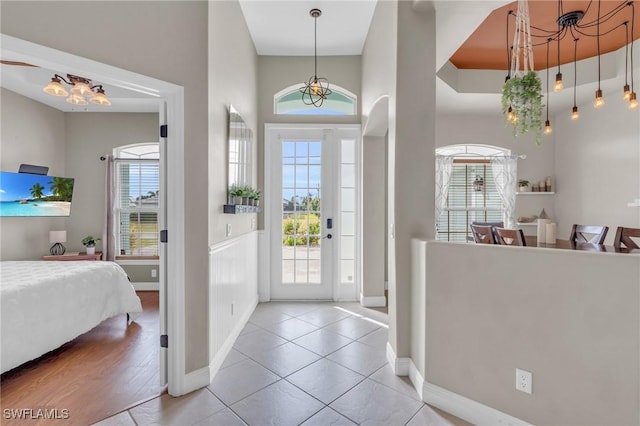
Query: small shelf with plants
[243, 199]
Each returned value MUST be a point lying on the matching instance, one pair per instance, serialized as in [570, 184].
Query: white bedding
[46, 304]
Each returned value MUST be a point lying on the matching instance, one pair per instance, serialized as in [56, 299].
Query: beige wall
[165, 40]
[488, 128]
[373, 220]
[279, 72]
[598, 167]
[564, 319]
[89, 136]
[233, 77]
[414, 152]
[31, 133]
[379, 79]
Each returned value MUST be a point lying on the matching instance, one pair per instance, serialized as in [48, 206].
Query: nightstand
[78, 256]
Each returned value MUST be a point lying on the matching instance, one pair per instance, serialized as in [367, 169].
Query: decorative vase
[91, 250]
[237, 200]
[524, 189]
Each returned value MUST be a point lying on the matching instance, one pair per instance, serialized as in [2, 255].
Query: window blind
[465, 204]
[138, 203]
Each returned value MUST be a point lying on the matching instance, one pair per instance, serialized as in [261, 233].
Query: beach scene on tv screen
[24, 194]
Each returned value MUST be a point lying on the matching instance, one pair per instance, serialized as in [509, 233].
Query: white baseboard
[146, 286]
[458, 405]
[416, 379]
[465, 408]
[219, 357]
[373, 301]
[195, 380]
[400, 365]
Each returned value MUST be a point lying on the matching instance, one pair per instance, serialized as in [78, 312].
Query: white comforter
[46, 304]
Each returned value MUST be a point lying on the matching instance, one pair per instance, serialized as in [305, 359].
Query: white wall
[598, 167]
[31, 133]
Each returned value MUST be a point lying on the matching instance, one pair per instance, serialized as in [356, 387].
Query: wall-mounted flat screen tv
[23, 194]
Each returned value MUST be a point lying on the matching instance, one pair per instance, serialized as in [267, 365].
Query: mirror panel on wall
[240, 149]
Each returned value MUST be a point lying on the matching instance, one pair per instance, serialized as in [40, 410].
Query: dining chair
[510, 237]
[623, 237]
[493, 226]
[482, 234]
[588, 234]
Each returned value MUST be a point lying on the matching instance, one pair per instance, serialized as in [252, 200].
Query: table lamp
[57, 238]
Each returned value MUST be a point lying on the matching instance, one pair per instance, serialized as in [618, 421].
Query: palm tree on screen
[36, 191]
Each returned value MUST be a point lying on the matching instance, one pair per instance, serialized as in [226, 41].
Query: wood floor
[100, 373]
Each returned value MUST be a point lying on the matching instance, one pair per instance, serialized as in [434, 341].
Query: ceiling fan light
[633, 101]
[55, 88]
[558, 84]
[81, 88]
[100, 98]
[74, 99]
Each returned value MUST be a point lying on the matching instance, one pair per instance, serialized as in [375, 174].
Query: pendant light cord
[598, 41]
[548, 42]
[633, 12]
[575, 69]
[315, 47]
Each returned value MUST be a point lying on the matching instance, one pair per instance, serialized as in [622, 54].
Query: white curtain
[505, 172]
[108, 230]
[444, 165]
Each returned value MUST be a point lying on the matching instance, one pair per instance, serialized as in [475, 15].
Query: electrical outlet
[228, 229]
[524, 381]
[154, 273]
[253, 223]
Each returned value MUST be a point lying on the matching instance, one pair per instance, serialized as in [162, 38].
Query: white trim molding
[416, 379]
[465, 408]
[373, 301]
[264, 267]
[146, 286]
[400, 365]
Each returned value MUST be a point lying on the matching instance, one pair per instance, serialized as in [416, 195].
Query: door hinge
[164, 341]
[163, 131]
[163, 236]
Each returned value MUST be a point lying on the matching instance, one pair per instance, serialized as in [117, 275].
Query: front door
[307, 196]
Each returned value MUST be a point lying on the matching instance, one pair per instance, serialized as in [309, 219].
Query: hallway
[300, 363]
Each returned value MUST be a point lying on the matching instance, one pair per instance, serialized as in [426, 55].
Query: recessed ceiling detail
[486, 47]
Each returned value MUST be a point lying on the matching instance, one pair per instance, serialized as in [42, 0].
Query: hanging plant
[522, 91]
[522, 104]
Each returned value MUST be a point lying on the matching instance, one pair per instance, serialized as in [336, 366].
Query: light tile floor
[300, 364]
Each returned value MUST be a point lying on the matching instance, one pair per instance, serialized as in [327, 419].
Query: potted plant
[523, 185]
[522, 104]
[90, 243]
[235, 194]
[256, 197]
[246, 194]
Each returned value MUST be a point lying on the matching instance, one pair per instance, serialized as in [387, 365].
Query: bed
[46, 304]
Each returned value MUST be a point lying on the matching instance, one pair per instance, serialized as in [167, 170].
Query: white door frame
[173, 95]
[264, 286]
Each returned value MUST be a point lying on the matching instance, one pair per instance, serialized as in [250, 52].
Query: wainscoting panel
[233, 292]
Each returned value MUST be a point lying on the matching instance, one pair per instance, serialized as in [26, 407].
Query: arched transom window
[289, 102]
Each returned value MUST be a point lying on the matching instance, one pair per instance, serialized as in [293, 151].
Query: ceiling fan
[17, 63]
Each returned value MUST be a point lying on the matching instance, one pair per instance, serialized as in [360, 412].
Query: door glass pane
[301, 206]
[348, 198]
[347, 271]
[348, 175]
[348, 223]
